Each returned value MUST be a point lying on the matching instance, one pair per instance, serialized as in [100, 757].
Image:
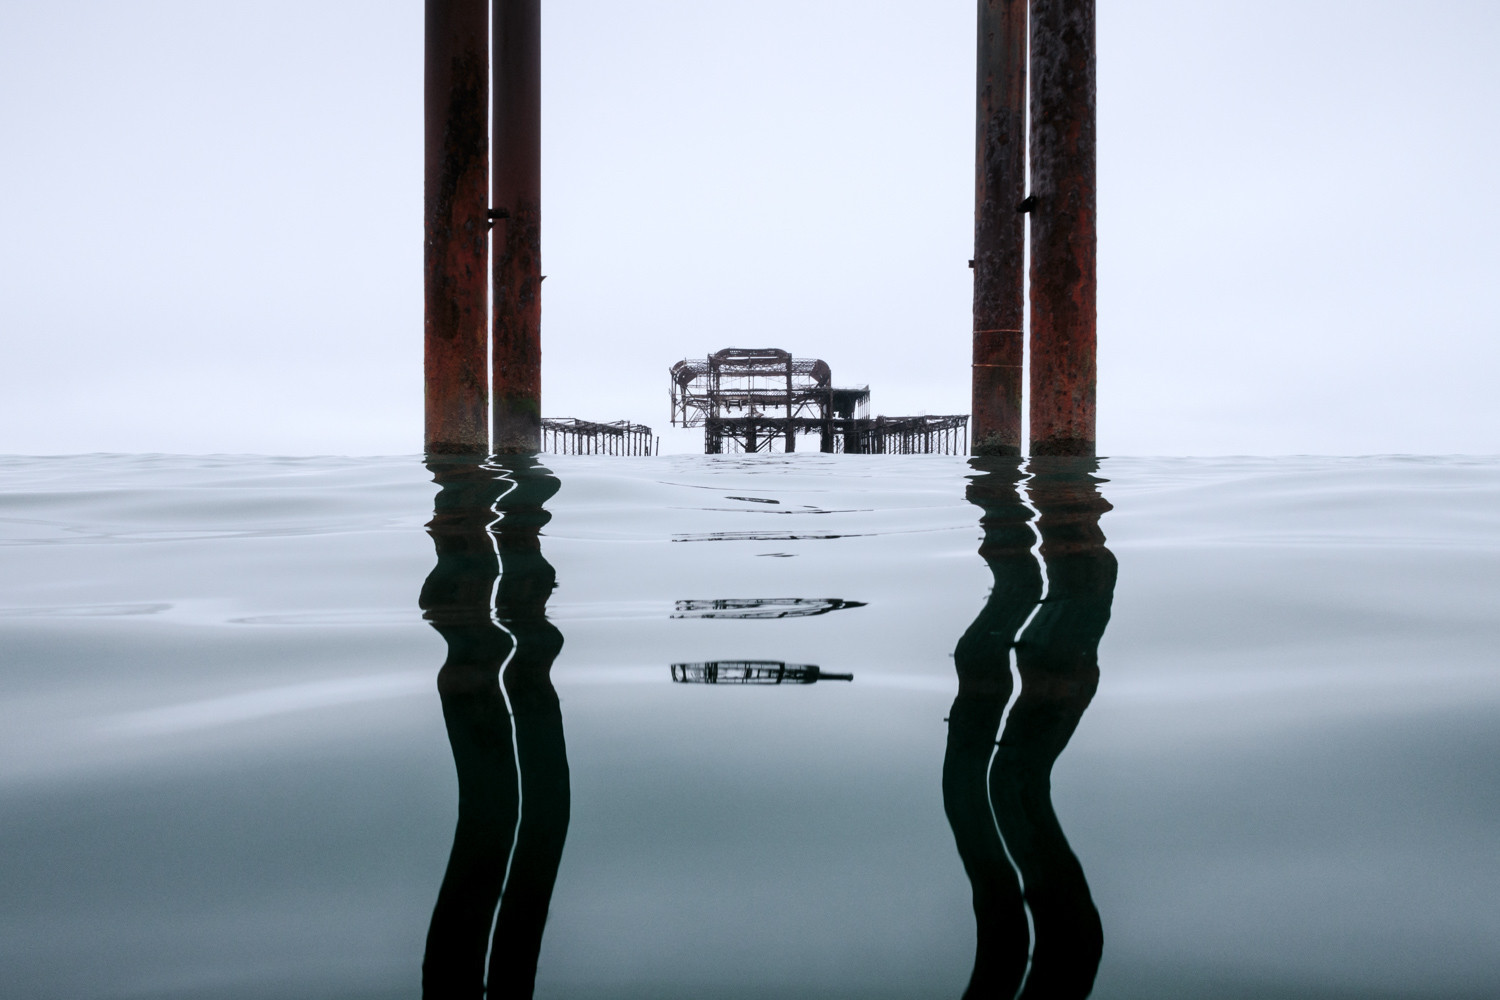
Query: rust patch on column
[1063, 237]
[999, 227]
[516, 194]
[455, 181]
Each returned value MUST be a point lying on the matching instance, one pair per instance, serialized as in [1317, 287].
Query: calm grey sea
[1156, 728]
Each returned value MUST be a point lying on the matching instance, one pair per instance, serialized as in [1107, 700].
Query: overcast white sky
[210, 217]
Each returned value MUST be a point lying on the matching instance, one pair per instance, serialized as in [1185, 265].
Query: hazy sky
[210, 217]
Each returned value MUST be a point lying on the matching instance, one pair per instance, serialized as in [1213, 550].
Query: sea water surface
[335, 728]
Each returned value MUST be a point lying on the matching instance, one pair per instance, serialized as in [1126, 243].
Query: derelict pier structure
[571, 436]
[749, 399]
[1035, 183]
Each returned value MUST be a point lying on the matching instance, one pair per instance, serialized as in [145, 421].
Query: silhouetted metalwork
[570, 436]
[926, 435]
[751, 672]
[997, 794]
[487, 597]
[749, 399]
[762, 607]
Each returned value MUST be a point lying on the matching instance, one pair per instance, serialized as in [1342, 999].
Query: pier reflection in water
[487, 597]
[224, 770]
[1038, 932]
[997, 793]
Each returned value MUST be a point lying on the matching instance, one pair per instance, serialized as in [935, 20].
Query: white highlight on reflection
[515, 747]
[211, 713]
[1024, 494]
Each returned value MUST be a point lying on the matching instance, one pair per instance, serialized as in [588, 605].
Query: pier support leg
[516, 192]
[999, 227]
[455, 178]
[791, 431]
[1063, 240]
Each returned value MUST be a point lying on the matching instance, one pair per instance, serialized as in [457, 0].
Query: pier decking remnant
[570, 436]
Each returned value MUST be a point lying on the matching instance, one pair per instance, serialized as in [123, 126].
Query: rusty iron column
[515, 201]
[456, 167]
[999, 228]
[1063, 239]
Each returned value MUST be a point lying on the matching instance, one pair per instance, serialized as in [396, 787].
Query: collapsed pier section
[571, 436]
[751, 399]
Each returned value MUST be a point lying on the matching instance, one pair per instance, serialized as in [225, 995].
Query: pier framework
[1035, 115]
[571, 436]
[750, 399]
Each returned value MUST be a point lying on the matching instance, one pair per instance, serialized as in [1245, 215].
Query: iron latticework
[751, 399]
[934, 435]
[571, 436]
[753, 396]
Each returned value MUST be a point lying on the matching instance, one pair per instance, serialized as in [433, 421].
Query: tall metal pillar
[999, 227]
[1063, 239]
[455, 177]
[515, 199]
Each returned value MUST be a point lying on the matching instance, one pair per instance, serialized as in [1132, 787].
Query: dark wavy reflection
[487, 597]
[998, 794]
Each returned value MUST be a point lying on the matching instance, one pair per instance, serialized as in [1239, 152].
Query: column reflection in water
[997, 785]
[487, 597]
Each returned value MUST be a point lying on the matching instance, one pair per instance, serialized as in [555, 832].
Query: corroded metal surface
[455, 196]
[516, 192]
[1063, 239]
[999, 227]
